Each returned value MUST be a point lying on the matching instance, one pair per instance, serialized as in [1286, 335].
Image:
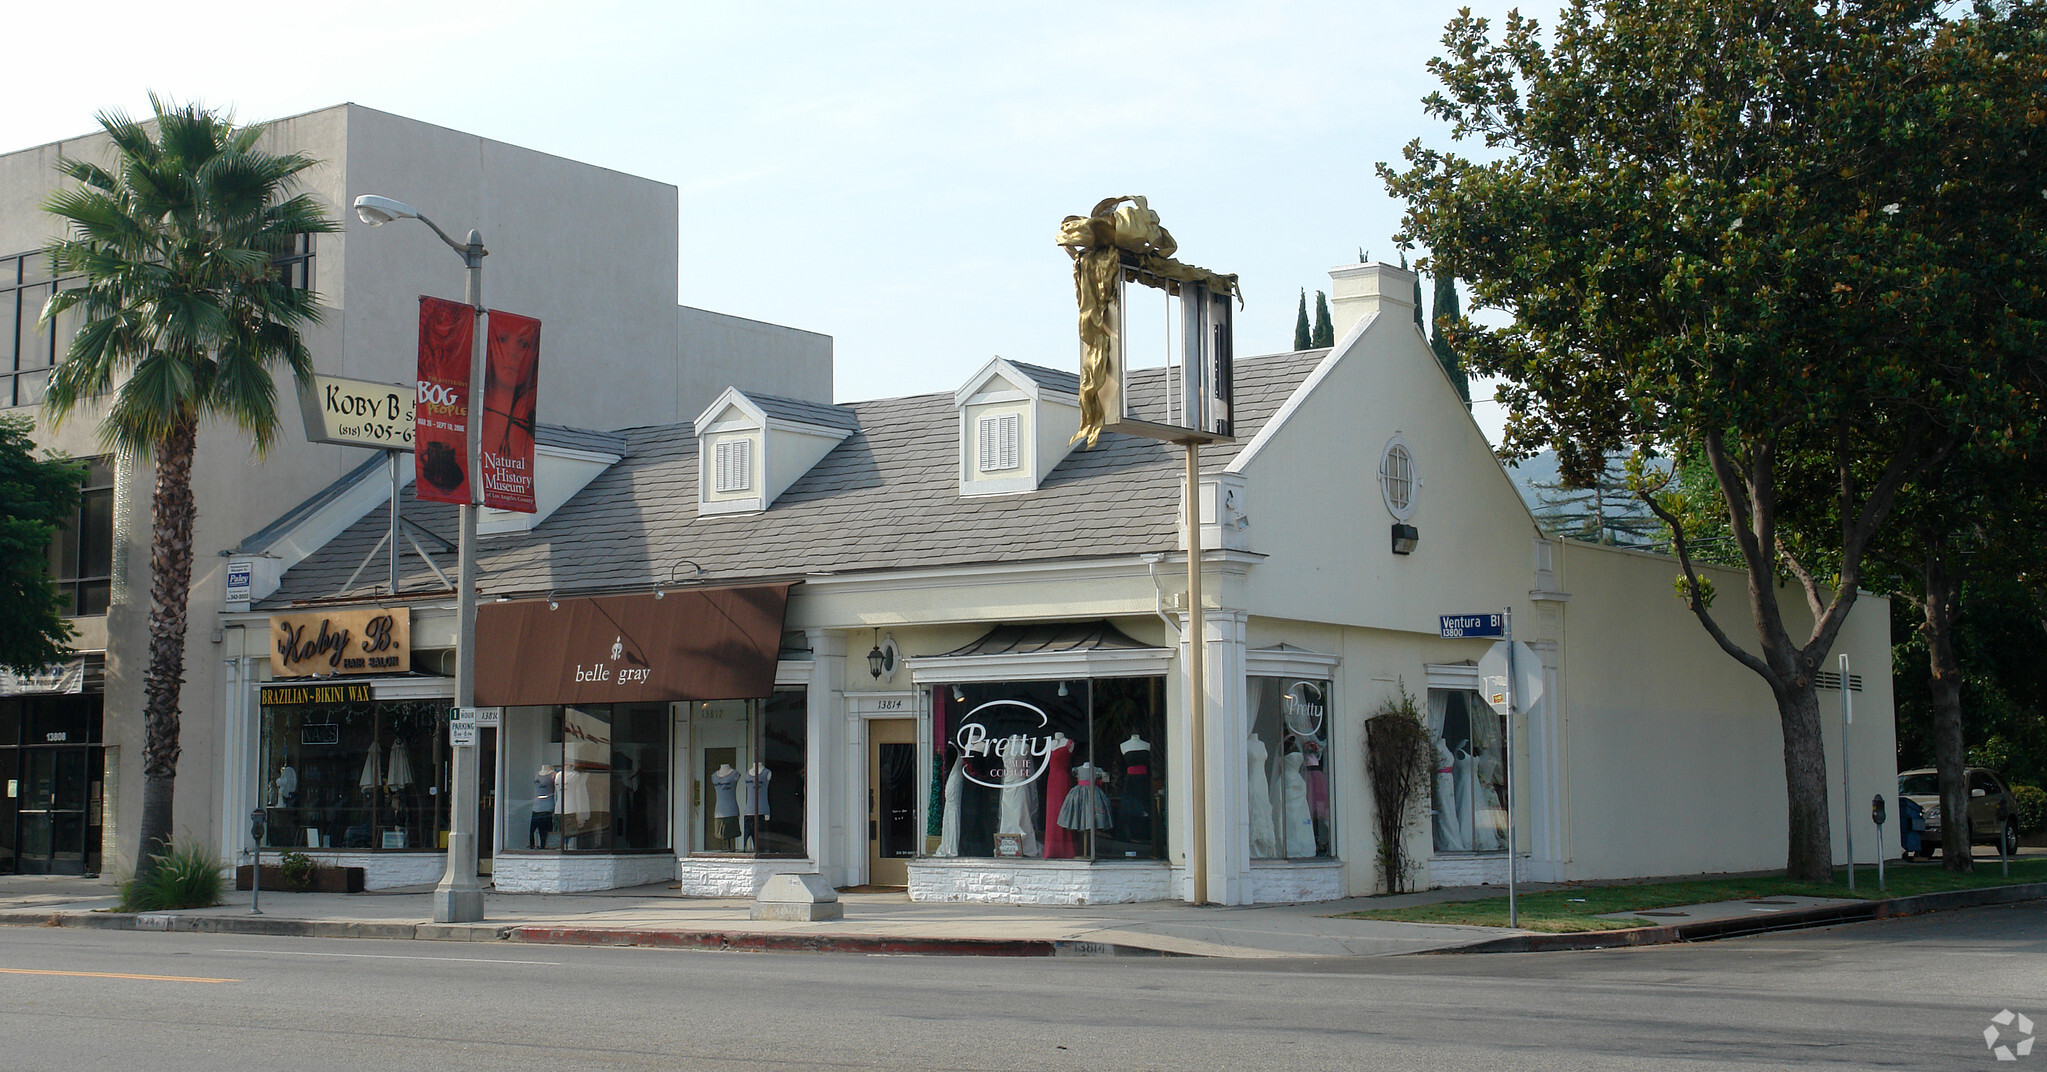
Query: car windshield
[1919, 785]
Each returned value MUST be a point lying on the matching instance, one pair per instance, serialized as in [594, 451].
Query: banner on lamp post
[511, 378]
[441, 415]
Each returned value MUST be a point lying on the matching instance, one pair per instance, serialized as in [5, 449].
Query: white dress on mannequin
[1264, 838]
[1449, 838]
[1017, 802]
[949, 826]
[1299, 827]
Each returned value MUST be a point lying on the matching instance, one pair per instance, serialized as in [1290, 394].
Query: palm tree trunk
[170, 589]
[1944, 688]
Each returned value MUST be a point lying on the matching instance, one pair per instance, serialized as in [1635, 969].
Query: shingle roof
[795, 409]
[1056, 379]
[561, 435]
[887, 497]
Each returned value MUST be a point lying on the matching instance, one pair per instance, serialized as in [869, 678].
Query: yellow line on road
[119, 975]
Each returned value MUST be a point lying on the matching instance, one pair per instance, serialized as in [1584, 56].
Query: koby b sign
[368, 640]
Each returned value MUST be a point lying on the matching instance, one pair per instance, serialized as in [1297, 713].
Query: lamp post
[459, 897]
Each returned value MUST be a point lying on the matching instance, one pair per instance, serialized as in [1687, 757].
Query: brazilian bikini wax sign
[359, 640]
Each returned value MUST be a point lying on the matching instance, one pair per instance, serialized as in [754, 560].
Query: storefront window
[1052, 769]
[355, 775]
[1287, 754]
[748, 763]
[586, 778]
[1471, 772]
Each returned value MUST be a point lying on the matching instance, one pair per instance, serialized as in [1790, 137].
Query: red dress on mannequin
[1060, 843]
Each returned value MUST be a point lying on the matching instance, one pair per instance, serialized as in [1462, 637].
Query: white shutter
[996, 440]
[733, 459]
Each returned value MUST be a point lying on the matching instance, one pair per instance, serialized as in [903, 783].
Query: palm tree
[182, 316]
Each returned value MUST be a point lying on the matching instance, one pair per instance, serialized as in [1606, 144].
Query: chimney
[1356, 291]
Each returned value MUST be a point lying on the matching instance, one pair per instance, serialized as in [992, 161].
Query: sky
[889, 174]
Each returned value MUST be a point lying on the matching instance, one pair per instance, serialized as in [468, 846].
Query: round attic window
[1398, 479]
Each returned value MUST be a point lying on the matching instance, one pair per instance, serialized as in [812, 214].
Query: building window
[1397, 479]
[1287, 753]
[748, 765]
[586, 778]
[27, 350]
[82, 552]
[734, 464]
[295, 264]
[363, 775]
[1051, 769]
[1470, 798]
[996, 436]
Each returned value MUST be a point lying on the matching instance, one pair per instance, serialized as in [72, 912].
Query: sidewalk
[883, 922]
[889, 923]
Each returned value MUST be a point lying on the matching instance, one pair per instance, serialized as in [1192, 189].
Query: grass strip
[1578, 907]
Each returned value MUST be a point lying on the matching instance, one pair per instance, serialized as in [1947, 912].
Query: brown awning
[691, 644]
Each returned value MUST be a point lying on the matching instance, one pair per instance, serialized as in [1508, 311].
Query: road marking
[388, 956]
[119, 975]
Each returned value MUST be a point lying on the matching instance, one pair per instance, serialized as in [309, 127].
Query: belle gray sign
[358, 413]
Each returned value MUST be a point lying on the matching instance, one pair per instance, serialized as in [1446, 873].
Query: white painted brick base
[380, 870]
[1294, 882]
[1472, 869]
[717, 876]
[577, 873]
[1069, 882]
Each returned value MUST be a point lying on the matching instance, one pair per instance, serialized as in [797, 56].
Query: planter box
[324, 880]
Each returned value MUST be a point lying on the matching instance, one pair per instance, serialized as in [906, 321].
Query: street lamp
[459, 897]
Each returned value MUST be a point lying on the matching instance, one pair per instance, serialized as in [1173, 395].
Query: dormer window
[997, 437]
[734, 465]
[752, 448]
[1015, 423]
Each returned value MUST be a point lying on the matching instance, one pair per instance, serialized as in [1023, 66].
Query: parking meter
[2004, 843]
[1877, 813]
[256, 864]
[1876, 808]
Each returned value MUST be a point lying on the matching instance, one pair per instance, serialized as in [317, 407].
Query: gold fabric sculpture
[1121, 232]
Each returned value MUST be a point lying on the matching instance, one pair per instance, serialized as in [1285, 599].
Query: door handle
[873, 830]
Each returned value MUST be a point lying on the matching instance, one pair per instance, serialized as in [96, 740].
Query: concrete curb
[1710, 929]
[735, 941]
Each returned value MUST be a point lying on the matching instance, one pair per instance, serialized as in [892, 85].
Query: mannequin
[1017, 801]
[546, 781]
[725, 808]
[1136, 805]
[1086, 807]
[1448, 837]
[1294, 822]
[1264, 837]
[949, 827]
[755, 784]
[1059, 840]
[287, 788]
[1487, 833]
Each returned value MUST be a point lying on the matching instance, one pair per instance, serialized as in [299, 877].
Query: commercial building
[589, 251]
[926, 642]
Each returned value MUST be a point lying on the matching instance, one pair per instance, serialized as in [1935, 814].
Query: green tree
[1324, 333]
[1303, 337]
[182, 320]
[1764, 233]
[1446, 355]
[1421, 320]
[39, 496]
[1606, 511]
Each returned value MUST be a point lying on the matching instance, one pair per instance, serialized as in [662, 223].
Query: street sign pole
[1847, 794]
[1513, 901]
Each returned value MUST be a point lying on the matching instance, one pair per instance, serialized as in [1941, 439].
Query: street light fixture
[459, 897]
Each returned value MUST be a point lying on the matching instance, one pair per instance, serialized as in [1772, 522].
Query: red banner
[440, 436]
[511, 377]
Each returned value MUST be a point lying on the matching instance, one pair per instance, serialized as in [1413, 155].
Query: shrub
[187, 876]
[1398, 755]
[297, 869]
[2032, 802]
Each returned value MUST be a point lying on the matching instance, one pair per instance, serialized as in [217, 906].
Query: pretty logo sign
[1001, 744]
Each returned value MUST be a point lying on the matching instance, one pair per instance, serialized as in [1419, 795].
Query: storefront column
[835, 840]
[240, 737]
[1545, 812]
[1225, 727]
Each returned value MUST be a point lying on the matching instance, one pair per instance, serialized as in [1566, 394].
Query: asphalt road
[1909, 994]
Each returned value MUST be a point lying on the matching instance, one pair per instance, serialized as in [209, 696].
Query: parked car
[1986, 793]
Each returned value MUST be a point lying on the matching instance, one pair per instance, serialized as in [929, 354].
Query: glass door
[892, 839]
[53, 811]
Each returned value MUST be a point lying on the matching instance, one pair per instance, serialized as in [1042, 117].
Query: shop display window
[748, 766]
[1051, 769]
[586, 778]
[1288, 755]
[367, 775]
[1470, 786]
